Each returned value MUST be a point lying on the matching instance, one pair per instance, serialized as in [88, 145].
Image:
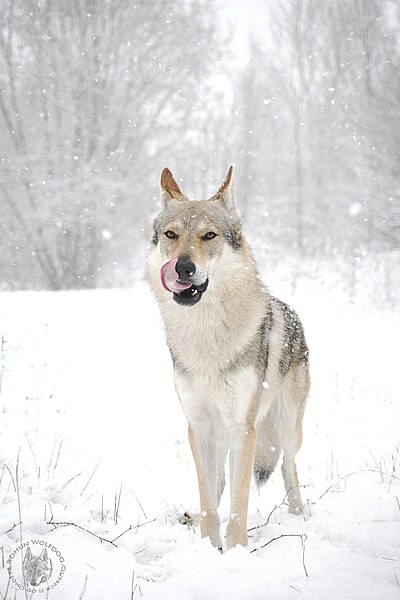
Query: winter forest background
[96, 97]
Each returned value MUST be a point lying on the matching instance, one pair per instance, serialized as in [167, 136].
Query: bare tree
[328, 73]
[93, 93]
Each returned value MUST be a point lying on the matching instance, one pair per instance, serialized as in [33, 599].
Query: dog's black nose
[185, 268]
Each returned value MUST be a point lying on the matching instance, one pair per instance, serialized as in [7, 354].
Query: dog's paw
[303, 511]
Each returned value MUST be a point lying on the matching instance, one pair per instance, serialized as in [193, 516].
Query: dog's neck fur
[221, 311]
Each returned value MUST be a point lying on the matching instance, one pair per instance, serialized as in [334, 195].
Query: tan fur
[240, 359]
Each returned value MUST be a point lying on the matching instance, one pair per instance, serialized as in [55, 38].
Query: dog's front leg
[206, 450]
[241, 468]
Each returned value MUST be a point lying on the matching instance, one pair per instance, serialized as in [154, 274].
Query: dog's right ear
[28, 554]
[169, 188]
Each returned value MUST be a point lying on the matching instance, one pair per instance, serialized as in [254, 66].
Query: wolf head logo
[192, 236]
[36, 569]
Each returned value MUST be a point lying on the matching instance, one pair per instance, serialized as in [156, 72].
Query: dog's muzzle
[177, 277]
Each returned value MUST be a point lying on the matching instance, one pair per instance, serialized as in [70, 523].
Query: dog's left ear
[226, 193]
[44, 555]
[169, 188]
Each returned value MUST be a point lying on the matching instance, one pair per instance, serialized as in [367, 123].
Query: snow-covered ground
[95, 461]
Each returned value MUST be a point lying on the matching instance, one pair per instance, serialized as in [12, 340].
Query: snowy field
[96, 464]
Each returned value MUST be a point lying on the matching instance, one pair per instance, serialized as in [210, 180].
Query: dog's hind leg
[209, 453]
[289, 472]
[291, 435]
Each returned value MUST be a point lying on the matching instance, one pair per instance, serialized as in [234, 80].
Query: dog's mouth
[184, 292]
[192, 295]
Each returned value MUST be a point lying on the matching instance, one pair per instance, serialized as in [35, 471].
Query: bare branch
[303, 538]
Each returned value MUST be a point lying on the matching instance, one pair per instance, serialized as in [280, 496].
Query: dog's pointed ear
[44, 555]
[28, 554]
[169, 188]
[226, 193]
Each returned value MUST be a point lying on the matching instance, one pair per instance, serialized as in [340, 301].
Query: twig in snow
[344, 477]
[88, 498]
[83, 592]
[268, 518]
[58, 455]
[90, 478]
[11, 528]
[378, 465]
[69, 480]
[136, 527]
[397, 581]
[117, 502]
[51, 458]
[70, 524]
[37, 469]
[283, 503]
[7, 468]
[103, 516]
[7, 590]
[99, 537]
[133, 581]
[393, 467]
[19, 513]
[45, 511]
[295, 589]
[137, 587]
[141, 507]
[303, 538]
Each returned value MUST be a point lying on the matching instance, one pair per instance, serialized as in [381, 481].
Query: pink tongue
[169, 278]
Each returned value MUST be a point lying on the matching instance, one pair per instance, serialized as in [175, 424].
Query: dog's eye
[210, 235]
[171, 235]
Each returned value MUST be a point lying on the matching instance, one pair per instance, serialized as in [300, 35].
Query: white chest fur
[226, 398]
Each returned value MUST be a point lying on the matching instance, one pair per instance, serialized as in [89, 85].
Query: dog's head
[37, 568]
[191, 237]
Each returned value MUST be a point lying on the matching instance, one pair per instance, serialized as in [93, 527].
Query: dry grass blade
[83, 592]
[90, 478]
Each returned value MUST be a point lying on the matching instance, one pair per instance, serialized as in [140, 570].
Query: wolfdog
[37, 568]
[239, 354]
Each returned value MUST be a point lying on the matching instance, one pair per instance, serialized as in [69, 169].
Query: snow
[91, 423]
